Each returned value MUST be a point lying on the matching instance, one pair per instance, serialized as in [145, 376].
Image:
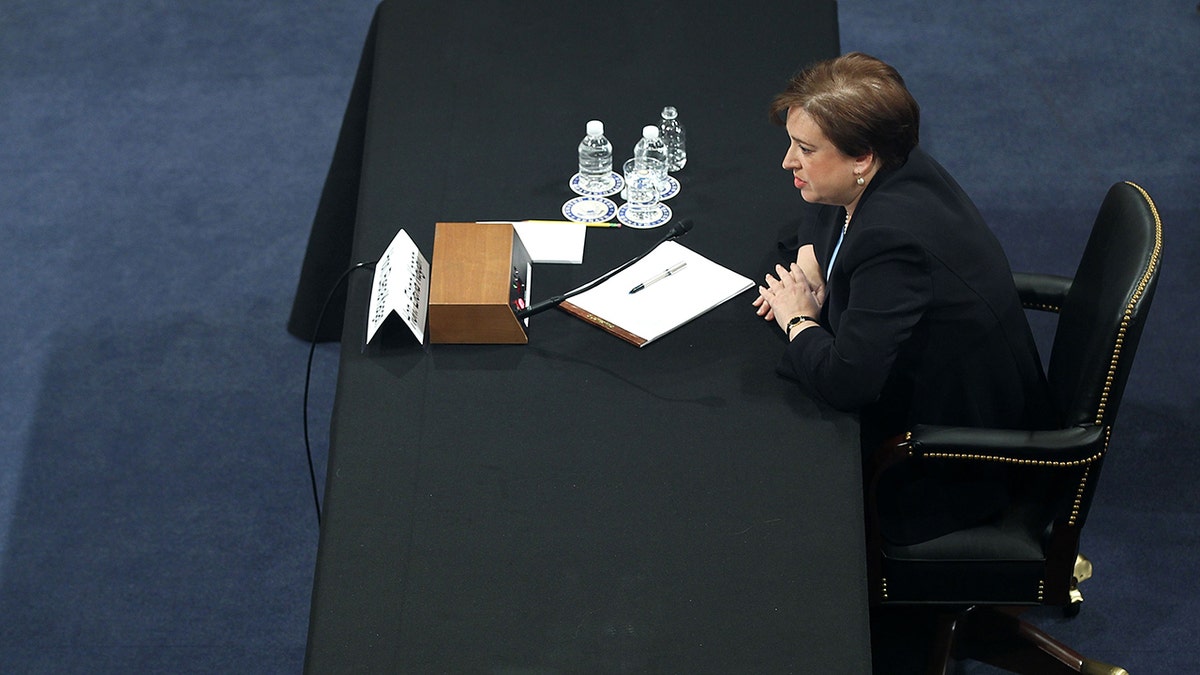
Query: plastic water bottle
[673, 136]
[595, 157]
[652, 147]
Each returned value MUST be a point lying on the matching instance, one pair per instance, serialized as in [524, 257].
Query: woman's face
[822, 172]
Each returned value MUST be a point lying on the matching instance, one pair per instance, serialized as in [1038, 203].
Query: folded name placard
[665, 302]
[400, 287]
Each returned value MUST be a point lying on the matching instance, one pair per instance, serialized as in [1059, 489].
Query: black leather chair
[981, 578]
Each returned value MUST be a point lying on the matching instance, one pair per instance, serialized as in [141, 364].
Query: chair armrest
[1057, 447]
[1045, 292]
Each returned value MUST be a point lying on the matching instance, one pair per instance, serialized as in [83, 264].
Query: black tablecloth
[577, 504]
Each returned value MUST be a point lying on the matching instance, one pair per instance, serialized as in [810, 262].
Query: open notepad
[662, 306]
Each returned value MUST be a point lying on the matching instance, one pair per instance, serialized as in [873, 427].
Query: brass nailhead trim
[1043, 307]
[1137, 296]
[1013, 460]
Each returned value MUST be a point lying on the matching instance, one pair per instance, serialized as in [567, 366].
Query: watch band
[796, 321]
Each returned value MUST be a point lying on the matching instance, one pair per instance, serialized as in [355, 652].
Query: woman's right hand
[806, 259]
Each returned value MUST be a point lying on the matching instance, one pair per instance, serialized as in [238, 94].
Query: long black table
[576, 505]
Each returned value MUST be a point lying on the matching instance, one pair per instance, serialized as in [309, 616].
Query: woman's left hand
[787, 295]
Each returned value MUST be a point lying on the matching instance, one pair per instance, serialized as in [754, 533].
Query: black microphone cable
[312, 349]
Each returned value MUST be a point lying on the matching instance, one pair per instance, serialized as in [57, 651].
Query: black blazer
[921, 322]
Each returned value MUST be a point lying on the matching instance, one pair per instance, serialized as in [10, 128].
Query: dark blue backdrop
[161, 163]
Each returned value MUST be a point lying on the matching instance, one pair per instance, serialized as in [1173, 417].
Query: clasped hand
[792, 291]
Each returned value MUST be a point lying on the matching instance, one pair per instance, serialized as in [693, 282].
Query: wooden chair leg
[1002, 639]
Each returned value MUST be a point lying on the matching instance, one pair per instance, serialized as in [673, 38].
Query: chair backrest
[1102, 316]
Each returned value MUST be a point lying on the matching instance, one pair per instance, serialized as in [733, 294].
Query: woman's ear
[865, 165]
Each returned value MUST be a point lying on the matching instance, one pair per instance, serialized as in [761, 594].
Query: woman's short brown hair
[860, 103]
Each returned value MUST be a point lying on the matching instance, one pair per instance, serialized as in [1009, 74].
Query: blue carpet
[160, 164]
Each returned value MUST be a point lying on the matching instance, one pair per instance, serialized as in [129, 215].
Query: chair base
[997, 636]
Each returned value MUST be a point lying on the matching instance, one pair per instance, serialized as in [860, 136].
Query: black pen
[659, 277]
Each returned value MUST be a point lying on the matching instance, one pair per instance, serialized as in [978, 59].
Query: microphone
[677, 230]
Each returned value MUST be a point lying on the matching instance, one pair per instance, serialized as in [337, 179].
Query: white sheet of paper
[552, 241]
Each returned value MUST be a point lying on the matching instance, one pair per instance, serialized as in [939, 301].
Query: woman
[900, 303]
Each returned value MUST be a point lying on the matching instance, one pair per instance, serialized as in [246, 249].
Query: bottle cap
[595, 128]
[650, 131]
[670, 113]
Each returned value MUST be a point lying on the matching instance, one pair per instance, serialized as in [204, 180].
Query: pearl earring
[860, 180]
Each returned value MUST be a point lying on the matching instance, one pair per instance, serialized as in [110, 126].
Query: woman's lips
[799, 183]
